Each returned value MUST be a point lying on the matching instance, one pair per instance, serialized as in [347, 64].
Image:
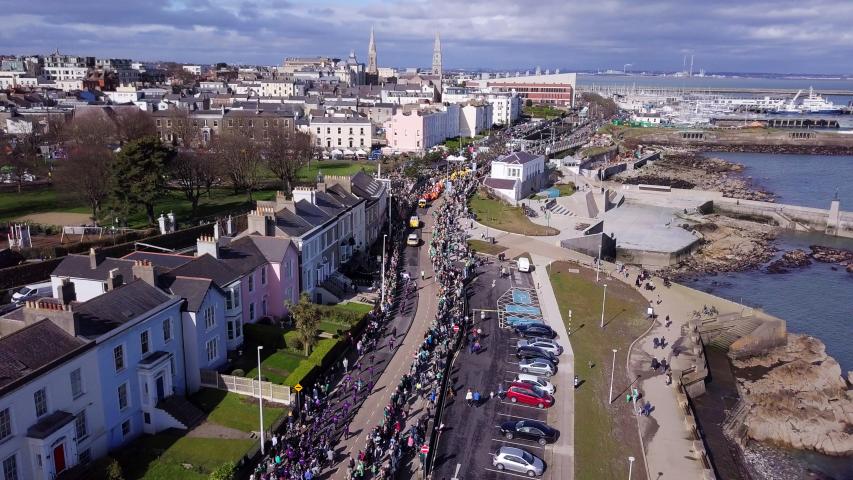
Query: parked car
[412, 240]
[535, 330]
[546, 344]
[523, 264]
[535, 352]
[518, 460]
[528, 395]
[522, 322]
[530, 430]
[32, 292]
[537, 366]
[538, 382]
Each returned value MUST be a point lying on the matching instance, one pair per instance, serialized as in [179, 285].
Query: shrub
[114, 471]
[238, 372]
[223, 472]
[299, 374]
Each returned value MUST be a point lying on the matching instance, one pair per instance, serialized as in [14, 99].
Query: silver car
[548, 345]
[538, 382]
[537, 366]
[518, 460]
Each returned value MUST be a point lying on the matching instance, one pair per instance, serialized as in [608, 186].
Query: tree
[90, 128]
[223, 472]
[285, 152]
[195, 173]
[20, 156]
[114, 471]
[133, 124]
[137, 175]
[306, 315]
[183, 131]
[528, 103]
[93, 187]
[240, 160]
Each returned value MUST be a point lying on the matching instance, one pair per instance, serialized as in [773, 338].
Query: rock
[800, 400]
[789, 260]
[838, 256]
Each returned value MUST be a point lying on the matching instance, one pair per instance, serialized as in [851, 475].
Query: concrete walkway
[369, 414]
[562, 464]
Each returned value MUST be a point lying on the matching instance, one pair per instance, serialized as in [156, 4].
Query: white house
[506, 107]
[280, 88]
[474, 119]
[342, 133]
[517, 175]
[92, 274]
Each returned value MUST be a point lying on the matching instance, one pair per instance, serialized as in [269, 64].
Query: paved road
[471, 436]
[370, 413]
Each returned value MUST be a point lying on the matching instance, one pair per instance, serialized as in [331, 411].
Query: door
[59, 458]
[161, 390]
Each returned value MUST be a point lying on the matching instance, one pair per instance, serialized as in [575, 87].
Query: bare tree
[285, 152]
[93, 187]
[20, 156]
[240, 160]
[195, 173]
[133, 124]
[91, 127]
[184, 133]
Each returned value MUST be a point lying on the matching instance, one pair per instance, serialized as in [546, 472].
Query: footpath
[370, 413]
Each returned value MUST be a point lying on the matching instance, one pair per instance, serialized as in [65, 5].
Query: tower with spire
[436, 56]
[372, 65]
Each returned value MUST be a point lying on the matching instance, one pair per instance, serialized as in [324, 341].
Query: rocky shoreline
[800, 258]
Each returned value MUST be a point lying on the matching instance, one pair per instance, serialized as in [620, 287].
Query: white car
[518, 460]
[538, 382]
[412, 240]
[548, 345]
[538, 366]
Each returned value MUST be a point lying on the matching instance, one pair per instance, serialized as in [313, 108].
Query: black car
[536, 352]
[535, 330]
[530, 430]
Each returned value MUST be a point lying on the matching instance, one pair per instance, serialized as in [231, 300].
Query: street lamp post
[382, 301]
[603, 299]
[612, 371]
[261, 398]
[598, 264]
[630, 466]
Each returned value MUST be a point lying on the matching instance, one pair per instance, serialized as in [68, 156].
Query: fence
[246, 386]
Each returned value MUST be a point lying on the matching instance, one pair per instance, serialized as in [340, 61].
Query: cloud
[723, 35]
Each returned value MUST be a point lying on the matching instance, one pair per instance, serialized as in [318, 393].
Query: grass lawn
[276, 367]
[485, 247]
[454, 144]
[565, 189]
[234, 411]
[354, 307]
[542, 111]
[333, 167]
[14, 205]
[160, 457]
[602, 432]
[497, 214]
[331, 327]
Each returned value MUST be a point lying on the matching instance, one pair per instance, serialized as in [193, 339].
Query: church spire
[372, 66]
[436, 56]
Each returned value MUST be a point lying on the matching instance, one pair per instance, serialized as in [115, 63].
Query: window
[264, 275]
[230, 122]
[158, 122]
[251, 282]
[118, 357]
[144, 342]
[212, 350]
[350, 130]
[40, 399]
[361, 130]
[76, 383]
[216, 123]
[209, 318]
[264, 306]
[125, 428]
[230, 330]
[167, 329]
[80, 426]
[238, 331]
[146, 417]
[5, 424]
[10, 468]
[122, 396]
[85, 456]
[318, 130]
[339, 130]
[252, 312]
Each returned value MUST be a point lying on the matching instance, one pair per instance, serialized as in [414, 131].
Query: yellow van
[414, 222]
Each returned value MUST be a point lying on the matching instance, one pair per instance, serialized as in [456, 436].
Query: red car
[523, 393]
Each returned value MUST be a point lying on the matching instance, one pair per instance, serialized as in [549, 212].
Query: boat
[813, 103]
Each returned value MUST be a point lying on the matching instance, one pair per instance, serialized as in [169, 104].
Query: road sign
[455, 328]
[425, 449]
[297, 387]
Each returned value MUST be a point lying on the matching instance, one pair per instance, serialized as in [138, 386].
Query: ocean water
[815, 300]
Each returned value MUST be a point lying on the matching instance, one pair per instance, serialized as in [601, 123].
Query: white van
[523, 264]
[32, 292]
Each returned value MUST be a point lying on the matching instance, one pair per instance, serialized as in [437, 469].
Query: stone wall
[770, 334]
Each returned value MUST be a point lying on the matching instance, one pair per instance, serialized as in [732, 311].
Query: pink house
[419, 130]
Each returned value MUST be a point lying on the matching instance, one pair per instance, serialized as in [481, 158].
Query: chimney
[321, 186]
[144, 270]
[61, 315]
[342, 180]
[207, 245]
[216, 230]
[115, 280]
[305, 193]
[282, 202]
[65, 292]
[94, 258]
[260, 220]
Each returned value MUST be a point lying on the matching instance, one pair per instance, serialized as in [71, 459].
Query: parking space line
[505, 472]
[531, 445]
[518, 416]
[525, 406]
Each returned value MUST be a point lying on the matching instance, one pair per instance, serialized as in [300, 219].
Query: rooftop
[33, 348]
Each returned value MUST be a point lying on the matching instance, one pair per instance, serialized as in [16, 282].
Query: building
[280, 88]
[92, 274]
[420, 130]
[123, 68]
[295, 64]
[194, 69]
[436, 57]
[375, 194]
[342, 132]
[372, 62]
[474, 119]
[256, 123]
[506, 107]
[66, 67]
[554, 89]
[517, 175]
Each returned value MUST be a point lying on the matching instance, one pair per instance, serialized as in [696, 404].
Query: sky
[779, 36]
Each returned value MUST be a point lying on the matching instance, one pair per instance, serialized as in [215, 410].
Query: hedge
[306, 369]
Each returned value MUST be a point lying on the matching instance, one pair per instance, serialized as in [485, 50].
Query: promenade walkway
[370, 412]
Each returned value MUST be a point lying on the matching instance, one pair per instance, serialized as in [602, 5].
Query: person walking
[423, 275]
[346, 365]
[469, 397]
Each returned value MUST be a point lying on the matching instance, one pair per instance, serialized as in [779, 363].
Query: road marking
[531, 445]
[456, 473]
[517, 416]
[505, 472]
[525, 406]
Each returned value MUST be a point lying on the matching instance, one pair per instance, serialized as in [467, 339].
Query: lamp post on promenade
[382, 301]
[612, 371]
[603, 299]
[261, 398]
[630, 466]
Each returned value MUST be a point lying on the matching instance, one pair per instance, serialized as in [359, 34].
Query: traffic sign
[297, 387]
[425, 449]
[455, 328]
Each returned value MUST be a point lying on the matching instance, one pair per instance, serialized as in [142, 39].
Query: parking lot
[471, 434]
